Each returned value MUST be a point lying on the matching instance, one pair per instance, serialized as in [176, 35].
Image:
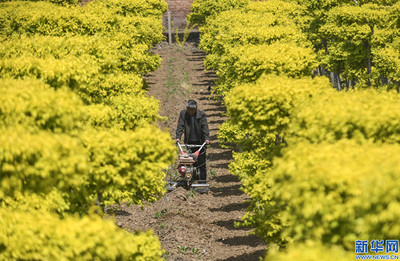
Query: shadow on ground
[254, 256]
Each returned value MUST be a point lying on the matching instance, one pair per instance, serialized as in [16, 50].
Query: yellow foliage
[39, 163]
[58, 150]
[32, 104]
[245, 43]
[54, 201]
[332, 193]
[132, 111]
[111, 52]
[246, 64]
[239, 27]
[359, 115]
[144, 8]
[31, 18]
[94, 74]
[277, 58]
[125, 112]
[39, 235]
[310, 251]
[202, 9]
[323, 186]
[388, 60]
[268, 104]
[131, 161]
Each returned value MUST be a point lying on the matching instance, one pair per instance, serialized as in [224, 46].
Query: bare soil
[193, 226]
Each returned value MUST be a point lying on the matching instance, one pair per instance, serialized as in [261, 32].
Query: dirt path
[194, 226]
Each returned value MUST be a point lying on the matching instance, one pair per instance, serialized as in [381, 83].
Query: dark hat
[191, 104]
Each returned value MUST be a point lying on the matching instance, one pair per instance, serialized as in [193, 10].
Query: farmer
[193, 123]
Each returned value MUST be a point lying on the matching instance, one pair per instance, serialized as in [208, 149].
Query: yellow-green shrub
[35, 106]
[125, 112]
[245, 64]
[95, 67]
[259, 38]
[278, 58]
[94, 74]
[51, 160]
[39, 235]
[310, 251]
[78, 74]
[71, 72]
[61, 2]
[267, 105]
[231, 135]
[132, 111]
[129, 161]
[39, 163]
[360, 115]
[55, 201]
[120, 84]
[237, 27]
[248, 162]
[350, 30]
[144, 8]
[260, 114]
[332, 193]
[202, 9]
[101, 116]
[31, 18]
[281, 8]
[104, 87]
[349, 37]
[394, 15]
[111, 53]
[387, 60]
[20, 17]
[253, 150]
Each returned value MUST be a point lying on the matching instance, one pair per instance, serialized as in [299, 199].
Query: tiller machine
[189, 174]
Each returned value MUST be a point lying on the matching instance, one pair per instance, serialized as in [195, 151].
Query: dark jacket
[200, 124]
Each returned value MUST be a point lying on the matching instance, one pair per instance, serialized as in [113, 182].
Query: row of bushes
[356, 42]
[320, 166]
[76, 127]
[40, 235]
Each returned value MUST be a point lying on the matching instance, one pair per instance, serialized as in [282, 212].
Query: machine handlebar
[190, 145]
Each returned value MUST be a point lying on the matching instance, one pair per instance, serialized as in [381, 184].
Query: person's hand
[178, 140]
[207, 142]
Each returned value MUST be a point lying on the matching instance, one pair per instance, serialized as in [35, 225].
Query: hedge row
[76, 127]
[40, 235]
[319, 165]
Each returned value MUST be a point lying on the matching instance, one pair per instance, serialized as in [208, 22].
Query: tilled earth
[194, 226]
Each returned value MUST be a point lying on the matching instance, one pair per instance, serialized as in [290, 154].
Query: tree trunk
[384, 80]
[99, 199]
[369, 59]
[325, 43]
[335, 79]
[339, 82]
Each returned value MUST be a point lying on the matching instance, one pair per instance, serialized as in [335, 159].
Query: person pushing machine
[193, 123]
